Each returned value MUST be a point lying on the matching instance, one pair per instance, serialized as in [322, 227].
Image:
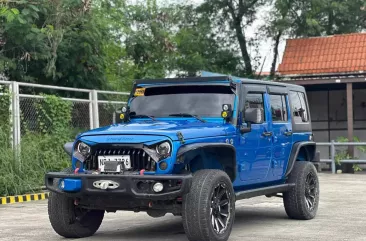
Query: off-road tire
[64, 219]
[197, 205]
[295, 200]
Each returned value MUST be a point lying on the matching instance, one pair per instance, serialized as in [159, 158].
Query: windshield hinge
[180, 137]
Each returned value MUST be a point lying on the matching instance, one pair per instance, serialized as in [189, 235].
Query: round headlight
[83, 149]
[163, 149]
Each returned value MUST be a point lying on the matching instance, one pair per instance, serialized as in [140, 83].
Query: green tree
[160, 40]
[303, 18]
[51, 42]
[343, 16]
[237, 15]
[279, 25]
[198, 48]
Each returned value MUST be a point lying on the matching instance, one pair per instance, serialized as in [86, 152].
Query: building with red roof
[333, 71]
[325, 55]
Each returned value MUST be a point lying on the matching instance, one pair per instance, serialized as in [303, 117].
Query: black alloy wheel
[220, 208]
[311, 191]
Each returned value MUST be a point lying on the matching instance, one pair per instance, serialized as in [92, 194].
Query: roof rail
[185, 80]
[203, 73]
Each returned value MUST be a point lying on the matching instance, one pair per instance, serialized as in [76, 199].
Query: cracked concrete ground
[341, 216]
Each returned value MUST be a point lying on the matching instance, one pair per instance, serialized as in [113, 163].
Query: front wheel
[302, 201]
[209, 208]
[71, 221]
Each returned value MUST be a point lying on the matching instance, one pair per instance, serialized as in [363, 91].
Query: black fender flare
[295, 151]
[224, 149]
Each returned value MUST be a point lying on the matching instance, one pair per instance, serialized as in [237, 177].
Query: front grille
[139, 158]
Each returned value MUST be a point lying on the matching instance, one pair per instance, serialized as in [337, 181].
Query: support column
[15, 114]
[95, 109]
[91, 113]
[16, 121]
[348, 168]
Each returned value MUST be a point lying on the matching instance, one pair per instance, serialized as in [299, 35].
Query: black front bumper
[130, 186]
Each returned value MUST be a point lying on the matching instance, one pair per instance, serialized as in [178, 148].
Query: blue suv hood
[190, 130]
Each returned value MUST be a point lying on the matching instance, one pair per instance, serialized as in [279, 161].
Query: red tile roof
[325, 55]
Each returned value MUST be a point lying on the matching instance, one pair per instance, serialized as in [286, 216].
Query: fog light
[158, 187]
[163, 165]
[62, 184]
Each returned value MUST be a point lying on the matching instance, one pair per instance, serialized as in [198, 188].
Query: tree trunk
[275, 50]
[243, 46]
[329, 27]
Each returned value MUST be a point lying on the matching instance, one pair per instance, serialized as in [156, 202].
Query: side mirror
[254, 115]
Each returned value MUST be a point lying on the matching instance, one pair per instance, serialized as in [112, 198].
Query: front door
[282, 135]
[255, 148]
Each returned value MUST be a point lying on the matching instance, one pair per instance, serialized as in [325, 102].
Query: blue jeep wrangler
[191, 147]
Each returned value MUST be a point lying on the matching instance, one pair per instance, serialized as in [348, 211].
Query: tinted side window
[255, 101]
[278, 108]
[298, 107]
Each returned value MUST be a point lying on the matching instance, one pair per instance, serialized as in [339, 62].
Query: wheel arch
[303, 151]
[222, 153]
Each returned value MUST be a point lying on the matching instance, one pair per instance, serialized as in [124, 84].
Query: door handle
[288, 133]
[267, 134]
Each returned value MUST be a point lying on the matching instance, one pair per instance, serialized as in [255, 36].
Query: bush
[22, 169]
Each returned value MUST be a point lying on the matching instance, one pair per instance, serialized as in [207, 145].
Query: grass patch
[22, 169]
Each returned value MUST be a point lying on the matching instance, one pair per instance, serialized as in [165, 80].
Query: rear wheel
[71, 221]
[209, 207]
[302, 201]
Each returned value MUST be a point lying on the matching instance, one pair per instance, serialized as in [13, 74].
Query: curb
[24, 198]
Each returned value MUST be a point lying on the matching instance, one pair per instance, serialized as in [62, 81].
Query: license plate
[114, 163]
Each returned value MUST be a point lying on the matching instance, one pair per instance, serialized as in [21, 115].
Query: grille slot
[139, 158]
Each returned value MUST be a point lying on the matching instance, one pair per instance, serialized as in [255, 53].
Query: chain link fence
[108, 103]
[41, 109]
[32, 119]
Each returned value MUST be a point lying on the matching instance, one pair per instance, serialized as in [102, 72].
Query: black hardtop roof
[187, 80]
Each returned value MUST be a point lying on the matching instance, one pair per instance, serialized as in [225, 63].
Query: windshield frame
[234, 88]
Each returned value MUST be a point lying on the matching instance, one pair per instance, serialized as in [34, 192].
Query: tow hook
[106, 184]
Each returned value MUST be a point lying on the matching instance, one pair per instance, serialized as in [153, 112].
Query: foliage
[51, 42]
[303, 18]
[39, 152]
[345, 155]
[154, 41]
[231, 19]
[197, 48]
[5, 122]
[108, 43]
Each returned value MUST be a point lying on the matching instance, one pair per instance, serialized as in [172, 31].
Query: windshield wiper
[187, 115]
[143, 116]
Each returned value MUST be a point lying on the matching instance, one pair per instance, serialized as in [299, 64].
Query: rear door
[282, 131]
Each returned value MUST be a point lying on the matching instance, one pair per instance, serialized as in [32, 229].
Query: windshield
[204, 101]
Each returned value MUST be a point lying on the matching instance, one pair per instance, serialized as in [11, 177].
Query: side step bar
[264, 191]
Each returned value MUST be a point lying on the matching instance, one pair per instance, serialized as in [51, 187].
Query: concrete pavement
[341, 216]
